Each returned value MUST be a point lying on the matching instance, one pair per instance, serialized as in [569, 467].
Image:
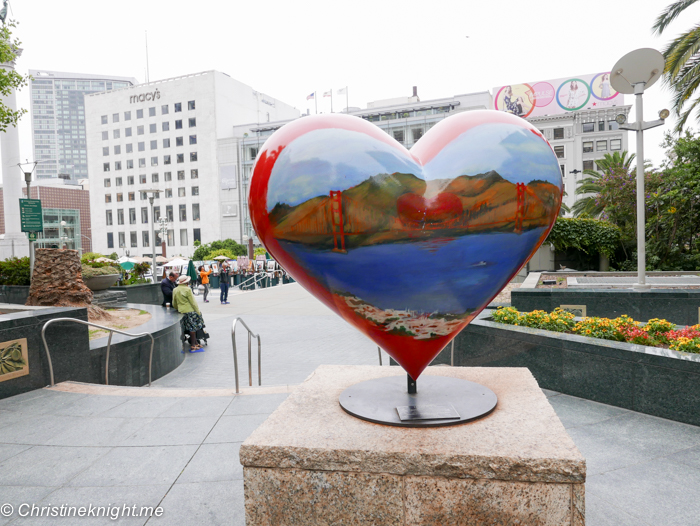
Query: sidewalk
[175, 445]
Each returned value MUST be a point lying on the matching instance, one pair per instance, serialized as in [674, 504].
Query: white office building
[58, 120]
[175, 136]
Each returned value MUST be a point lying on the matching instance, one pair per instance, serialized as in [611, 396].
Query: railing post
[379, 350]
[109, 344]
[235, 354]
[259, 362]
[250, 364]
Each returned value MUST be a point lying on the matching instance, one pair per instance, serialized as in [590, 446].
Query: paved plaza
[175, 445]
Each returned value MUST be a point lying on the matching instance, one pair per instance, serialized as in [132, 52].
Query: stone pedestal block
[310, 463]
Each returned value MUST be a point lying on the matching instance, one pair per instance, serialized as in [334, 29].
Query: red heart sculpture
[407, 246]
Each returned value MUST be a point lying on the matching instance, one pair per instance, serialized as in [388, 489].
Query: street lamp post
[151, 198]
[633, 73]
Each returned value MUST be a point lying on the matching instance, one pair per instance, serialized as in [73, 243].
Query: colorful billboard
[550, 97]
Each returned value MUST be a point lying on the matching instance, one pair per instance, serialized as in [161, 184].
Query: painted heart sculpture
[407, 246]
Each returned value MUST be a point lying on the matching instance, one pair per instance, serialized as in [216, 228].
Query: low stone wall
[16, 294]
[649, 380]
[680, 306]
[147, 294]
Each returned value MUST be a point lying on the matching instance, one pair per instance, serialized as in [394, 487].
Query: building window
[117, 165]
[154, 161]
[190, 105]
[127, 115]
[558, 133]
[193, 156]
[142, 178]
[122, 240]
[144, 238]
[417, 133]
[562, 168]
[108, 218]
[252, 153]
[105, 167]
[144, 196]
[115, 117]
[398, 135]
[129, 148]
[117, 181]
[166, 143]
[195, 212]
[167, 176]
[105, 151]
[616, 144]
[178, 124]
[181, 191]
[132, 216]
[588, 165]
[142, 146]
[166, 126]
[193, 122]
[156, 214]
[601, 125]
[197, 234]
[588, 127]
[132, 196]
[194, 174]
[134, 240]
[180, 159]
[164, 109]
[117, 149]
[154, 178]
[108, 183]
[154, 145]
[142, 162]
[129, 164]
[104, 119]
[193, 139]
[139, 130]
[613, 125]
[601, 146]
[152, 112]
[181, 175]
[195, 190]
[139, 114]
[120, 217]
[169, 213]
[587, 146]
[183, 212]
[171, 238]
[166, 159]
[105, 135]
[130, 179]
[168, 193]
[127, 132]
[120, 197]
[178, 141]
[178, 107]
[152, 128]
[108, 198]
[559, 151]
[144, 215]
[110, 240]
[183, 237]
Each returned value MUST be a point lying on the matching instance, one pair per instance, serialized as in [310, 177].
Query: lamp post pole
[153, 222]
[641, 212]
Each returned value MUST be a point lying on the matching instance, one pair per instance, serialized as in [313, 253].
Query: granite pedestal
[311, 463]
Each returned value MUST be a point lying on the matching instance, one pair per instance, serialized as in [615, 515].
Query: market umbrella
[221, 258]
[191, 271]
[127, 265]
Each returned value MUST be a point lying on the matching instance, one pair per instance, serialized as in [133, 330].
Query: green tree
[210, 250]
[592, 183]
[10, 80]
[682, 54]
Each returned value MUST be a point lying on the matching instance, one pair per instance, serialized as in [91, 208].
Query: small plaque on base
[427, 412]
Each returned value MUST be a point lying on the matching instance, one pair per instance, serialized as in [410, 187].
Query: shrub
[587, 235]
[14, 271]
[91, 272]
[90, 256]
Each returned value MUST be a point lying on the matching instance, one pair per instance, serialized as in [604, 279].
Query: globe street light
[634, 72]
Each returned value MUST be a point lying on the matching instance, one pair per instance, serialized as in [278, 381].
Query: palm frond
[670, 14]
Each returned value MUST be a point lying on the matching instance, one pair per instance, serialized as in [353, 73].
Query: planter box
[680, 306]
[148, 294]
[101, 282]
[649, 380]
[16, 294]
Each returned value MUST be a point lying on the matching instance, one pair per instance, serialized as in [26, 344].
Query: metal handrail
[109, 344]
[255, 279]
[235, 353]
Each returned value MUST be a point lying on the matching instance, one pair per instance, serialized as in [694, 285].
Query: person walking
[204, 276]
[166, 287]
[184, 302]
[223, 283]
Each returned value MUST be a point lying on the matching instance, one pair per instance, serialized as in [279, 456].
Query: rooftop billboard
[551, 97]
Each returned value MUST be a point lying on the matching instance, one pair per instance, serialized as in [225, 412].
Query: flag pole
[347, 104]
[331, 100]
[316, 102]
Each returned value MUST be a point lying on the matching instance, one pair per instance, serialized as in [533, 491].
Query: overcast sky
[378, 48]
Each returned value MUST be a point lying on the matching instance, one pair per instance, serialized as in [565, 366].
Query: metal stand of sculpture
[407, 246]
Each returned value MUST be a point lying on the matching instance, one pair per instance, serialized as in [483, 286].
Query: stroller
[201, 334]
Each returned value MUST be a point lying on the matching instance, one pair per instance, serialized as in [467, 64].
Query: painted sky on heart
[324, 160]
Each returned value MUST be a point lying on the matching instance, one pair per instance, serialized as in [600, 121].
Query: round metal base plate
[440, 401]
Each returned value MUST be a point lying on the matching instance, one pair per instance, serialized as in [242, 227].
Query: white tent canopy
[178, 262]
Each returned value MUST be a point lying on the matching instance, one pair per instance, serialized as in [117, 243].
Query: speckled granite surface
[312, 463]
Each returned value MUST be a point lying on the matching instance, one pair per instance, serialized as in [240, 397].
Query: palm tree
[682, 71]
[590, 184]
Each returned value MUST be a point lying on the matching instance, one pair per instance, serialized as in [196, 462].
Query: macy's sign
[144, 97]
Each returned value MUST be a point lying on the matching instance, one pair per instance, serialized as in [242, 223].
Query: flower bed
[654, 333]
